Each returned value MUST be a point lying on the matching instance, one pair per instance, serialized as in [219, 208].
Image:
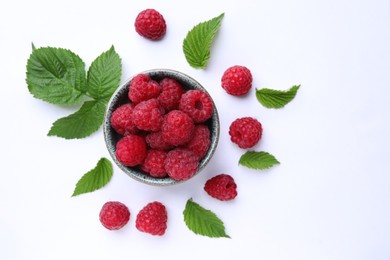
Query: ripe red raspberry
[221, 187]
[148, 115]
[114, 215]
[197, 104]
[237, 80]
[150, 24]
[131, 150]
[171, 92]
[155, 141]
[154, 163]
[121, 120]
[177, 128]
[152, 219]
[181, 164]
[200, 142]
[142, 88]
[245, 132]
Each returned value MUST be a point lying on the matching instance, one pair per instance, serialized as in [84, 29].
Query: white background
[328, 199]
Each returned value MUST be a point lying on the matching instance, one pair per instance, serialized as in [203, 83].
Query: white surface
[328, 199]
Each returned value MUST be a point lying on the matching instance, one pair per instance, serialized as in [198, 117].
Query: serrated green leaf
[104, 75]
[82, 123]
[197, 44]
[202, 221]
[56, 76]
[95, 179]
[271, 98]
[258, 160]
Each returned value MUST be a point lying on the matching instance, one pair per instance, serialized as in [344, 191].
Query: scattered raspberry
[197, 104]
[131, 150]
[152, 219]
[148, 115]
[121, 120]
[154, 163]
[245, 132]
[177, 128]
[155, 141]
[200, 142]
[181, 164]
[221, 187]
[142, 88]
[150, 24]
[171, 92]
[114, 215]
[237, 80]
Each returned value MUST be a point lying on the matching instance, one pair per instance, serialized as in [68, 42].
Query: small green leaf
[56, 75]
[258, 160]
[95, 179]
[202, 221]
[104, 75]
[197, 44]
[271, 98]
[82, 123]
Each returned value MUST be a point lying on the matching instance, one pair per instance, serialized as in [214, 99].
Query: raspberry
[177, 128]
[114, 215]
[152, 219]
[197, 104]
[154, 163]
[131, 150]
[171, 92]
[245, 132]
[155, 141]
[237, 80]
[221, 187]
[148, 115]
[121, 120]
[200, 142]
[142, 88]
[150, 24]
[181, 164]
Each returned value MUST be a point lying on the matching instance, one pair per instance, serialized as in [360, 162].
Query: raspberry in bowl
[161, 127]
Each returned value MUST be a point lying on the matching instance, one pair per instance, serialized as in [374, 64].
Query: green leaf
[56, 75]
[104, 75]
[271, 98]
[95, 179]
[82, 123]
[202, 221]
[258, 160]
[197, 44]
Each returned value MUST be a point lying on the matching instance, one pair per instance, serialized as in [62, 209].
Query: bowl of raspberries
[161, 127]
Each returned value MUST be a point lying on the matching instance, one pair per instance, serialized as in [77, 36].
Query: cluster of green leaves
[58, 76]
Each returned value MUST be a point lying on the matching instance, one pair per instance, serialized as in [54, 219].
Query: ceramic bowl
[120, 97]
